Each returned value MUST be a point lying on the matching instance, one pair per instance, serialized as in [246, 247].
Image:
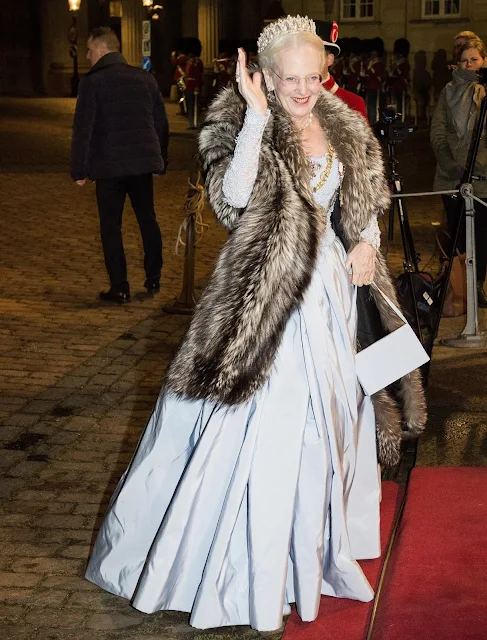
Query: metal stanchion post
[470, 337]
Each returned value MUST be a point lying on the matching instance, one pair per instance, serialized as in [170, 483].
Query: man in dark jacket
[120, 138]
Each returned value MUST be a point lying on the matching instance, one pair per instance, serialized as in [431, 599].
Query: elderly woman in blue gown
[255, 484]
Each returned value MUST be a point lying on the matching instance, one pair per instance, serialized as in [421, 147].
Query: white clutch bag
[391, 357]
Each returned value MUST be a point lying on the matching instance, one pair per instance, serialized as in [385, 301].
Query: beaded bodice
[241, 174]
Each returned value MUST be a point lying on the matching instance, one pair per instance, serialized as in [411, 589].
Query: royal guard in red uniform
[328, 32]
[194, 80]
[178, 60]
[353, 70]
[374, 76]
[222, 68]
[399, 72]
[338, 67]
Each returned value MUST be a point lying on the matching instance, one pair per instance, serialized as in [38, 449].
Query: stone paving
[78, 379]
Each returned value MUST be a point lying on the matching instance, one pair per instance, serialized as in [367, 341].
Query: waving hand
[250, 87]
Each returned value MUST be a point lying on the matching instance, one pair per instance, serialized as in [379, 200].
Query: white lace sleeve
[371, 233]
[240, 176]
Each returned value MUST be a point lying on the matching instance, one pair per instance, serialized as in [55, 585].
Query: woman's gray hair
[287, 41]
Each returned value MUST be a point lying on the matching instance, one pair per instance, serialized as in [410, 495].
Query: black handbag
[369, 324]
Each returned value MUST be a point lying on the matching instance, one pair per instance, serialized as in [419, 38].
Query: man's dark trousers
[110, 195]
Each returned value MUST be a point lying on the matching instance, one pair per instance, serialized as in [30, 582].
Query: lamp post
[152, 13]
[73, 49]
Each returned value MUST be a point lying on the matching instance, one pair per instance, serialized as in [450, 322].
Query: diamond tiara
[290, 24]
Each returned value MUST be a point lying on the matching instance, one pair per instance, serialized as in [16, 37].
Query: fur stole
[266, 265]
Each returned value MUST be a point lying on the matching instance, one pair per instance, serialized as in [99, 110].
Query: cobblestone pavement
[78, 379]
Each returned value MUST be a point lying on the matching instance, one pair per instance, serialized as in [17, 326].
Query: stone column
[209, 29]
[132, 15]
[189, 18]
[252, 14]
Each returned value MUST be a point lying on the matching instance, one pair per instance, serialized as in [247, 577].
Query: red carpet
[341, 619]
[436, 582]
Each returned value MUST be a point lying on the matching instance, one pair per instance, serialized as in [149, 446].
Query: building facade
[429, 25]
[35, 46]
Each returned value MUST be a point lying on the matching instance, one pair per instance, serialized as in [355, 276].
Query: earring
[270, 96]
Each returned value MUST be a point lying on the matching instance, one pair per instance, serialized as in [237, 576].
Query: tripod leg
[390, 230]
[410, 256]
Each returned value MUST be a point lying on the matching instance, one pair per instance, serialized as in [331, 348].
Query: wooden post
[185, 302]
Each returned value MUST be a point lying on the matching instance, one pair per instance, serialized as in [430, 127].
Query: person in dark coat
[120, 139]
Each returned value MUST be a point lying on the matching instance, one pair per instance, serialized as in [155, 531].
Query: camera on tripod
[390, 126]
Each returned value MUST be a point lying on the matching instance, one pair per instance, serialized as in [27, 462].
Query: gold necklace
[307, 124]
[326, 171]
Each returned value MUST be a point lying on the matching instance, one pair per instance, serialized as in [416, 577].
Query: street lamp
[73, 50]
[152, 8]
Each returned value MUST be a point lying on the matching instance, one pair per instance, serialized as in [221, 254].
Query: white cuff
[371, 233]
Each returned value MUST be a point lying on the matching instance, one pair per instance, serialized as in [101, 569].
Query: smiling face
[471, 59]
[303, 62]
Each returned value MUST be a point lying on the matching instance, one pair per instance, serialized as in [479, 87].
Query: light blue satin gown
[233, 512]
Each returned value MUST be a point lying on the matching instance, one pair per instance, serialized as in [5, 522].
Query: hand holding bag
[391, 357]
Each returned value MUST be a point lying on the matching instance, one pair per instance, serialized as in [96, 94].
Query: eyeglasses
[313, 80]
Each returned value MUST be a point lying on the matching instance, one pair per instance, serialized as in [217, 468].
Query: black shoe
[481, 297]
[117, 297]
[152, 286]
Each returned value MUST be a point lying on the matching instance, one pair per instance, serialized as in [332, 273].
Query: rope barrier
[190, 232]
[194, 205]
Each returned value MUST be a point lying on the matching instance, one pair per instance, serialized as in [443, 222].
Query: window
[115, 9]
[441, 8]
[357, 9]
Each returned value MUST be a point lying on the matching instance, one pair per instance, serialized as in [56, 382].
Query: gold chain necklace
[326, 171]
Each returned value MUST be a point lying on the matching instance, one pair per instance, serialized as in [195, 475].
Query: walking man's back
[120, 138]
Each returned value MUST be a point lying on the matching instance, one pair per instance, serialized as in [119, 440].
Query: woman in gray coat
[452, 127]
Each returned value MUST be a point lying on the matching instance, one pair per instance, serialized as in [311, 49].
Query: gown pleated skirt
[233, 512]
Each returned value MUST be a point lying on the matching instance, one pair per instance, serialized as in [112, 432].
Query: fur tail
[388, 425]
[414, 403]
